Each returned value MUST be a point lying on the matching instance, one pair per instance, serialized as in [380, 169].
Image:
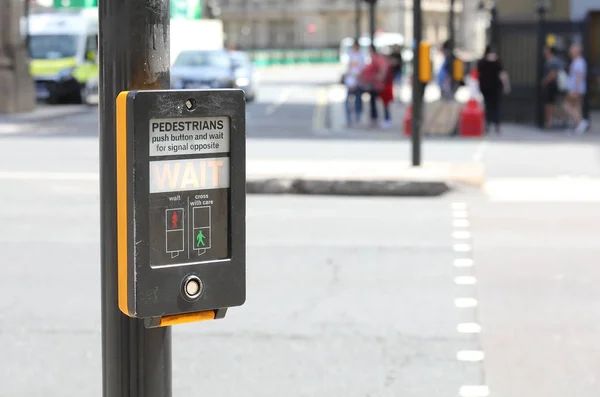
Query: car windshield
[52, 46]
[203, 58]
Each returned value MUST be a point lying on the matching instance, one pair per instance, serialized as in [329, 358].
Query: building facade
[556, 9]
[568, 21]
[527, 9]
[318, 23]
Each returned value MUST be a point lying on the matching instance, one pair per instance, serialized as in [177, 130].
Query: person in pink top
[373, 80]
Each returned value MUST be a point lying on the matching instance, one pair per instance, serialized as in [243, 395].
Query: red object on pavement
[387, 94]
[408, 120]
[474, 74]
[472, 119]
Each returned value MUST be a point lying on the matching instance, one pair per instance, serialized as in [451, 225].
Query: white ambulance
[63, 50]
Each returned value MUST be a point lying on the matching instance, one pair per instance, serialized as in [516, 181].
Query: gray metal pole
[417, 86]
[372, 26]
[134, 54]
[541, 42]
[494, 27]
[451, 30]
[357, 18]
[452, 42]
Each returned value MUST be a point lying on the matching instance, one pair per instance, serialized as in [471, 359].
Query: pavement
[291, 96]
[486, 290]
[17, 123]
[285, 104]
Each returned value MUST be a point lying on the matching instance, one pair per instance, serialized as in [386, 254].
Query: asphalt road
[476, 293]
[289, 104]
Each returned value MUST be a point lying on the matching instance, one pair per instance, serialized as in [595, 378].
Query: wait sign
[185, 175]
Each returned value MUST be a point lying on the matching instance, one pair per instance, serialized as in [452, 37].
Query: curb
[383, 188]
[32, 118]
[360, 178]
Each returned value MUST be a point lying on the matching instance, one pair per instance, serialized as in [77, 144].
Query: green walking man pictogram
[200, 239]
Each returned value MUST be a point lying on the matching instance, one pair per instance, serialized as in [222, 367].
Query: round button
[192, 287]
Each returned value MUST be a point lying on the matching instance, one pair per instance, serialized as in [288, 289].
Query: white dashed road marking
[461, 245]
[470, 355]
[463, 303]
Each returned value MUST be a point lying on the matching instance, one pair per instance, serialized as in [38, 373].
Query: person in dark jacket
[552, 68]
[493, 83]
[444, 77]
[397, 63]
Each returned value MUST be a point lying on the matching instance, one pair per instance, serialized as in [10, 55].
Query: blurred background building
[316, 23]
[260, 24]
[556, 9]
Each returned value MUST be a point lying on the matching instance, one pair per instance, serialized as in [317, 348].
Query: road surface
[479, 292]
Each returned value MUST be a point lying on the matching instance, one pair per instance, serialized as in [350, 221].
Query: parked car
[245, 76]
[203, 69]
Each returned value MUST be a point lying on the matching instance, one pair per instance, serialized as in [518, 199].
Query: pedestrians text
[198, 135]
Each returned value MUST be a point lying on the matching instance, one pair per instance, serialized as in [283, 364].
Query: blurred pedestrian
[397, 63]
[444, 77]
[553, 68]
[373, 80]
[493, 83]
[387, 96]
[356, 63]
[577, 89]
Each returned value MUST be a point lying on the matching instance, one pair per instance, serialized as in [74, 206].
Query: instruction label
[185, 136]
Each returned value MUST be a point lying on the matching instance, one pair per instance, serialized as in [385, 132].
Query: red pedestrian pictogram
[174, 219]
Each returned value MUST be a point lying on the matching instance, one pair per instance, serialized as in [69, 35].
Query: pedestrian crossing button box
[181, 204]
[425, 71]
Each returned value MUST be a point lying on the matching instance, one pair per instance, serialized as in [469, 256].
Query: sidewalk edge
[301, 186]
